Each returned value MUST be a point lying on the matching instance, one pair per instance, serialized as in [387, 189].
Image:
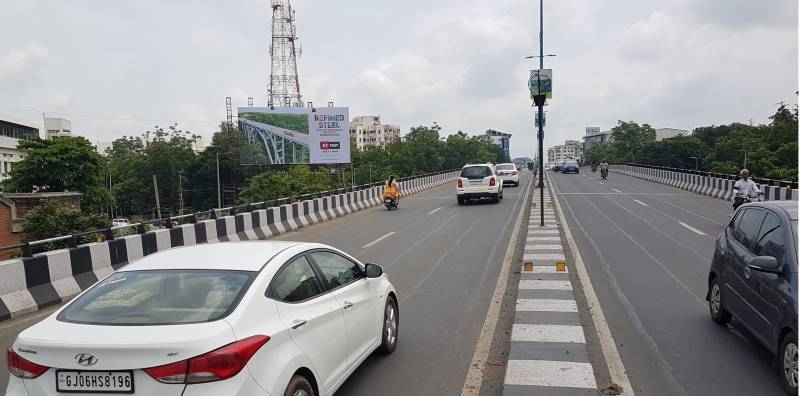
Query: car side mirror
[764, 264]
[373, 270]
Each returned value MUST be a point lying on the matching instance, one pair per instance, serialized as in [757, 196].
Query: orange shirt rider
[391, 188]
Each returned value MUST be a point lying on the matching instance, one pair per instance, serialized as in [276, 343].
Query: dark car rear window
[476, 172]
[571, 163]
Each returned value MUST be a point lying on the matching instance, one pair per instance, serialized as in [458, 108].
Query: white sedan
[237, 318]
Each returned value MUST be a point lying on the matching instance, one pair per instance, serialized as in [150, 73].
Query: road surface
[647, 248]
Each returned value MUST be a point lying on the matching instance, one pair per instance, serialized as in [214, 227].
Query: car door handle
[297, 324]
[347, 305]
[747, 272]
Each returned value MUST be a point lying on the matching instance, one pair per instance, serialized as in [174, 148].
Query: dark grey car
[753, 277]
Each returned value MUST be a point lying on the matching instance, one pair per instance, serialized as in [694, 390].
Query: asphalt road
[444, 260]
[647, 248]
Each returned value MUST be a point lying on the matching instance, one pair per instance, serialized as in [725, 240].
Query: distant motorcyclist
[391, 189]
[604, 169]
[745, 189]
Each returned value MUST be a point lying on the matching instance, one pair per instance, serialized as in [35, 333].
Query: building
[594, 136]
[368, 131]
[499, 139]
[11, 132]
[57, 127]
[664, 133]
[14, 207]
[571, 149]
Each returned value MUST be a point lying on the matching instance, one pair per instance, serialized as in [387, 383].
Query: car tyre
[460, 201]
[716, 306]
[391, 325]
[496, 198]
[299, 386]
[787, 361]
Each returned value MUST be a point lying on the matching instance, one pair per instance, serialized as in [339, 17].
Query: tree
[54, 218]
[599, 153]
[629, 138]
[300, 179]
[675, 152]
[202, 174]
[64, 164]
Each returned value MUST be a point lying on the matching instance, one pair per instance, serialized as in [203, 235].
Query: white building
[57, 127]
[11, 132]
[571, 149]
[664, 133]
[369, 131]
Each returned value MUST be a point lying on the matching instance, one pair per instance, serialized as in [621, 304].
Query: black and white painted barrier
[30, 284]
[706, 185]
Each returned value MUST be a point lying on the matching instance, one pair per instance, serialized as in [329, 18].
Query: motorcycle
[389, 202]
[604, 173]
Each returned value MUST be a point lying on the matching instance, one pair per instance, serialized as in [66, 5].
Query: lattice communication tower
[284, 84]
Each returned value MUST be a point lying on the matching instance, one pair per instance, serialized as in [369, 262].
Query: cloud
[20, 62]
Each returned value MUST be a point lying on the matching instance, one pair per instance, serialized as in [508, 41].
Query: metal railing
[28, 249]
[759, 180]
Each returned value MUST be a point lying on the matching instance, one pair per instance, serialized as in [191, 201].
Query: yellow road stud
[528, 267]
[549, 205]
[561, 266]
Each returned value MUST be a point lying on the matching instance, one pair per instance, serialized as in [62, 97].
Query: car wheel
[460, 201]
[299, 386]
[496, 198]
[787, 360]
[391, 324]
[715, 304]
[501, 194]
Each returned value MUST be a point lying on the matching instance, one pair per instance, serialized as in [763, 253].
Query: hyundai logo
[86, 359]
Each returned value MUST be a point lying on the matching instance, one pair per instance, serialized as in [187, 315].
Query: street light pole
[219, 189]
[540, 106]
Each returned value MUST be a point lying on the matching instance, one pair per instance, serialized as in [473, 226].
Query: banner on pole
[541, 83]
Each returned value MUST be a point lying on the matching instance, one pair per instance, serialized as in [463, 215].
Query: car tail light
[460, 183]
[22, 368]
[491, 181]
[217, 365]
[514, 173]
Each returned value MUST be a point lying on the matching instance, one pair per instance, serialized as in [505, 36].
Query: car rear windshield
[159, 297]
[506, 167]
[571, 163]
[476, 172]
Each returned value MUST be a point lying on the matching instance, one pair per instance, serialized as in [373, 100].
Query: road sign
[541, 83]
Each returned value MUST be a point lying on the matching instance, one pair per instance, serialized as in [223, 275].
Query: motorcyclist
[604, 168]
[594, 166]
[745, 189]
[391, 189]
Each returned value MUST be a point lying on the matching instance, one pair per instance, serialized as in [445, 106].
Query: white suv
[509, 173]
[479, 181]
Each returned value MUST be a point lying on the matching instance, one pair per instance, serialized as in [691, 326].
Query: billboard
[294, 135]
[541, 83]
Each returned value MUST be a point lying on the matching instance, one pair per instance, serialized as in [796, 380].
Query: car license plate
[94, 381]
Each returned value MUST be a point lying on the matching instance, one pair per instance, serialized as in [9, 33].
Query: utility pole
[155, 190]
[180, 191]
[219, 188]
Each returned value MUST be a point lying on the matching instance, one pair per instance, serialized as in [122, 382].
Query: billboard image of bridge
[274, 137]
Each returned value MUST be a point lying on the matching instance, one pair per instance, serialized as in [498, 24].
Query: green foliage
[770, 150]
[294, 122]
[293, 182]
[54, 218]
[65, 164]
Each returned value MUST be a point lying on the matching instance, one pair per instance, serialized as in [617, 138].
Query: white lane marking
[378, 240]
[543, 247]
[472, 384]
[548, 333]
[542, 256]
[546, 269]
[543, 231]
[545, 285]
[616, 369]
[695, 230]
[433, 211]
[550, 373]
[546, 305]
[542, 239]
[617, 190]
[640, 202]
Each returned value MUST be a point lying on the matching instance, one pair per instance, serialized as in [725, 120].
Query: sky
[121, 67]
